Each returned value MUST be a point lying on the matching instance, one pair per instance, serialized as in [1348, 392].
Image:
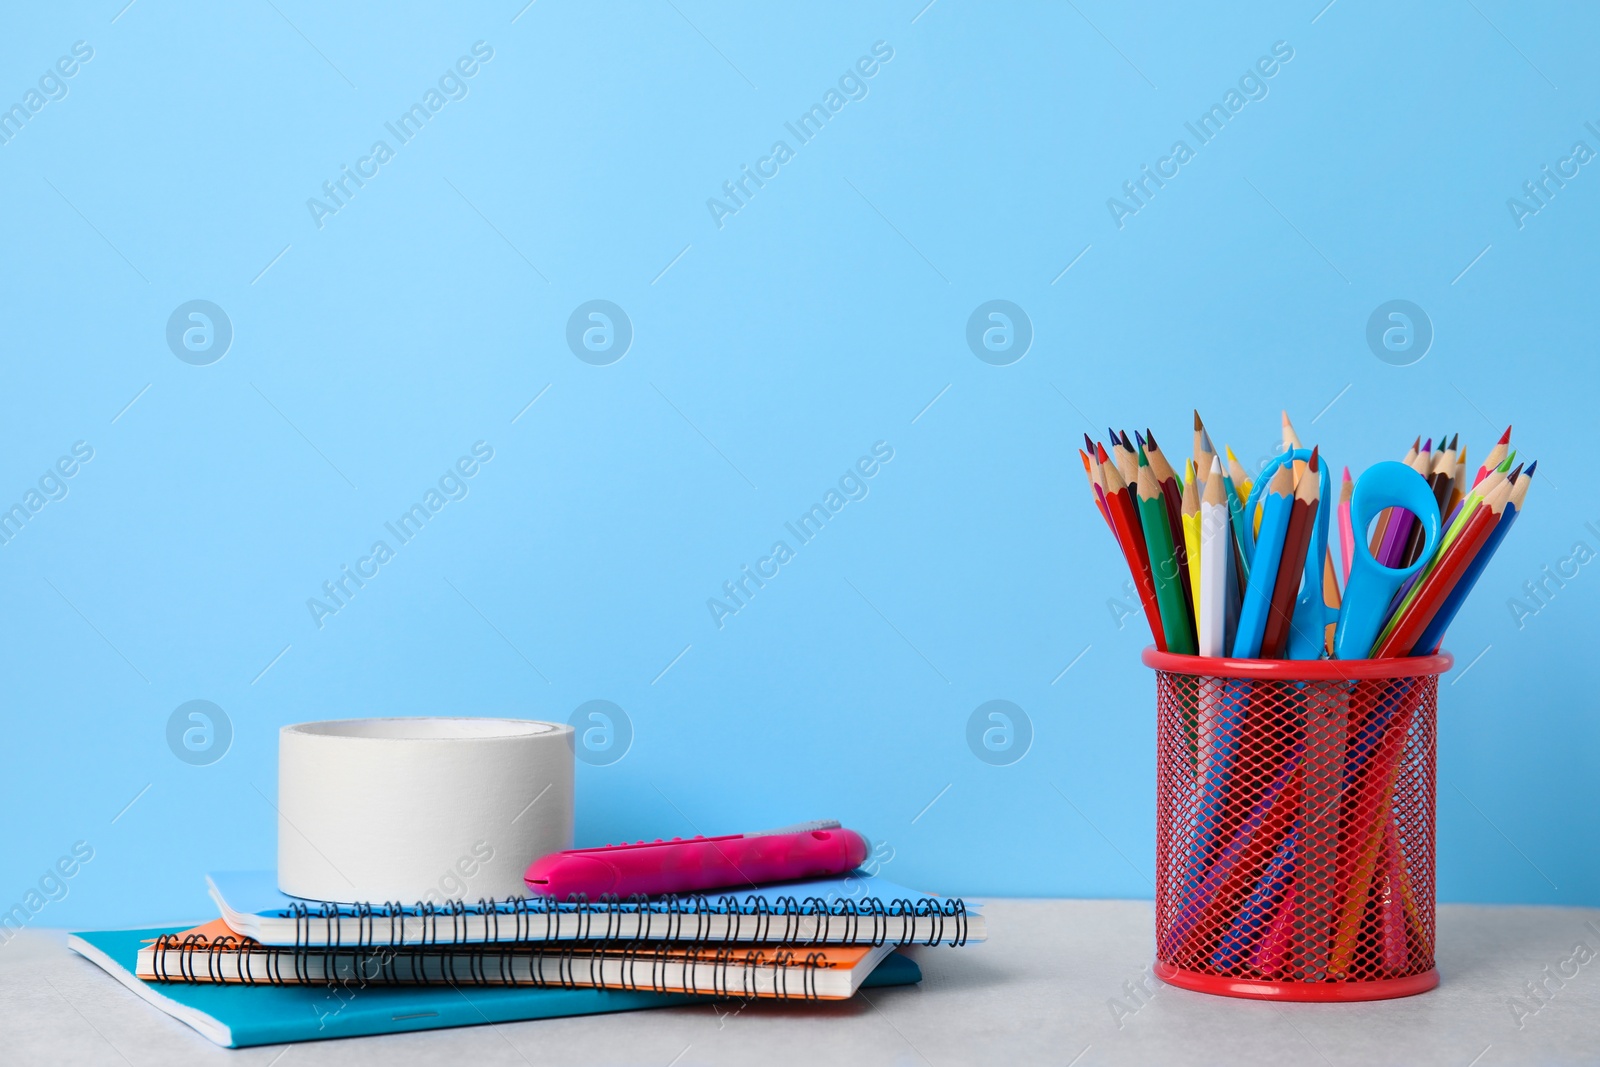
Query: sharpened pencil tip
[1531, 468]
[1150, 438]
[1198, 425]
[1347, 474]
[1505, 438]
[1312, 463]
[1144, 460]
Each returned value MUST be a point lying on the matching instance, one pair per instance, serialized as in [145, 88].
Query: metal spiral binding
[690, 920]
[181, 960]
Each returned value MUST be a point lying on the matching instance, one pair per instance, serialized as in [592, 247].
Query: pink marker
[697, 864]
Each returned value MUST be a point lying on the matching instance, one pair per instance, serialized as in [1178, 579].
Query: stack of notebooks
[276, 969]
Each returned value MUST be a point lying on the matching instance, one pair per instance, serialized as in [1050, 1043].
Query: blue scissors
[1372, 586]
[1308, 628]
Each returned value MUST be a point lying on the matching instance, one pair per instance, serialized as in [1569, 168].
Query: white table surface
[1040, 991]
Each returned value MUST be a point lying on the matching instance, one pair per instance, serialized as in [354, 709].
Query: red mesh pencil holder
[1295, 826]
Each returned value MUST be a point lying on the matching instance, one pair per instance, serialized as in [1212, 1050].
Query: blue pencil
[1278, 501]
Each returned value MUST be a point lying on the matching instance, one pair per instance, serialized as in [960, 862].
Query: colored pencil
[1126, 460]
[1452, 529]
[1164, 567]
[1172, 500]
[1125, 520]
[1331, 599]
[1095, 491]
[1347, 536]
[1433, 636]
[1292, 562]
[1236, 471]
[1214, 621]
[1191, 535]
[1290, 438]
[1401, 521]
[1276, 506]
[1204, 450]
[1495, 456]
[1453, 563]
[1386, 516]
[1458, 488]
[1440, 477]
[1291, 441]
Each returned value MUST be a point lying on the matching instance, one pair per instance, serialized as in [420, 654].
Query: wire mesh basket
[1295, 826]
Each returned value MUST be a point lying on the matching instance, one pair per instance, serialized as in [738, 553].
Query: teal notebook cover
[238, 1016]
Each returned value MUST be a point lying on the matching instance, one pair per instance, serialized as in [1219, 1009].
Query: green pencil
[1175, 621]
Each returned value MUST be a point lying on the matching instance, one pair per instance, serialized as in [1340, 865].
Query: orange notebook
[214, 953]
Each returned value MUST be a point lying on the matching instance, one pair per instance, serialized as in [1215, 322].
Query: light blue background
[769, 355]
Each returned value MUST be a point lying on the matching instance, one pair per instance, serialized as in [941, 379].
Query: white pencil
[1216, 567]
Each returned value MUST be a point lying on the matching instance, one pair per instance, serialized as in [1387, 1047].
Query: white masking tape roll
[377, 810]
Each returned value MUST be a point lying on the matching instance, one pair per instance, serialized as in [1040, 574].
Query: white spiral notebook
[858, 909]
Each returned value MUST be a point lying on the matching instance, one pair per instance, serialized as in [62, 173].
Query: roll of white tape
[426, 809]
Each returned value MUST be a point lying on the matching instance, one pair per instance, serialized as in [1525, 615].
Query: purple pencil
[1391, 551]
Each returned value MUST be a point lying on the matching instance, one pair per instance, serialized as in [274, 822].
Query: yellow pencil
[1191, 530]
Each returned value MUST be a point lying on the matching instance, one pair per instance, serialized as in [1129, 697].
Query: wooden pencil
[1124, 516]
[1347, 537]
[1302, 516]
[1387, 514]
[1164, 567]
[1433, 636]
[1191, 536]
[1433, 590]
[1401, 521]
[1331, 599]
[1217, 585]
[1172, 500]
[1290, 438]
[1095, 489]
[1204, 450]
[1496, 455]
[1275, 509]
[1458, 488]
[1126, 459]
[1236, 471]
[1439, 479]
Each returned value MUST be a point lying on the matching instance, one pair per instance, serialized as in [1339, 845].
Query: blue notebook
[241, 1015]
[857, 909]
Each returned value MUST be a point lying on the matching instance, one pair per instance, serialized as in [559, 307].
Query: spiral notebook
[859, 909]
[213, 953]
[239, 1016]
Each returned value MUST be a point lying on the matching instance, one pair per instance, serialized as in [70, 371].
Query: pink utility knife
[697, 864]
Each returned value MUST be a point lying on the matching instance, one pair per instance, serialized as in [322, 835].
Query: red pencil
[1496, 454]
[1095, 490]
[1125, 520]
[1435, 588]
